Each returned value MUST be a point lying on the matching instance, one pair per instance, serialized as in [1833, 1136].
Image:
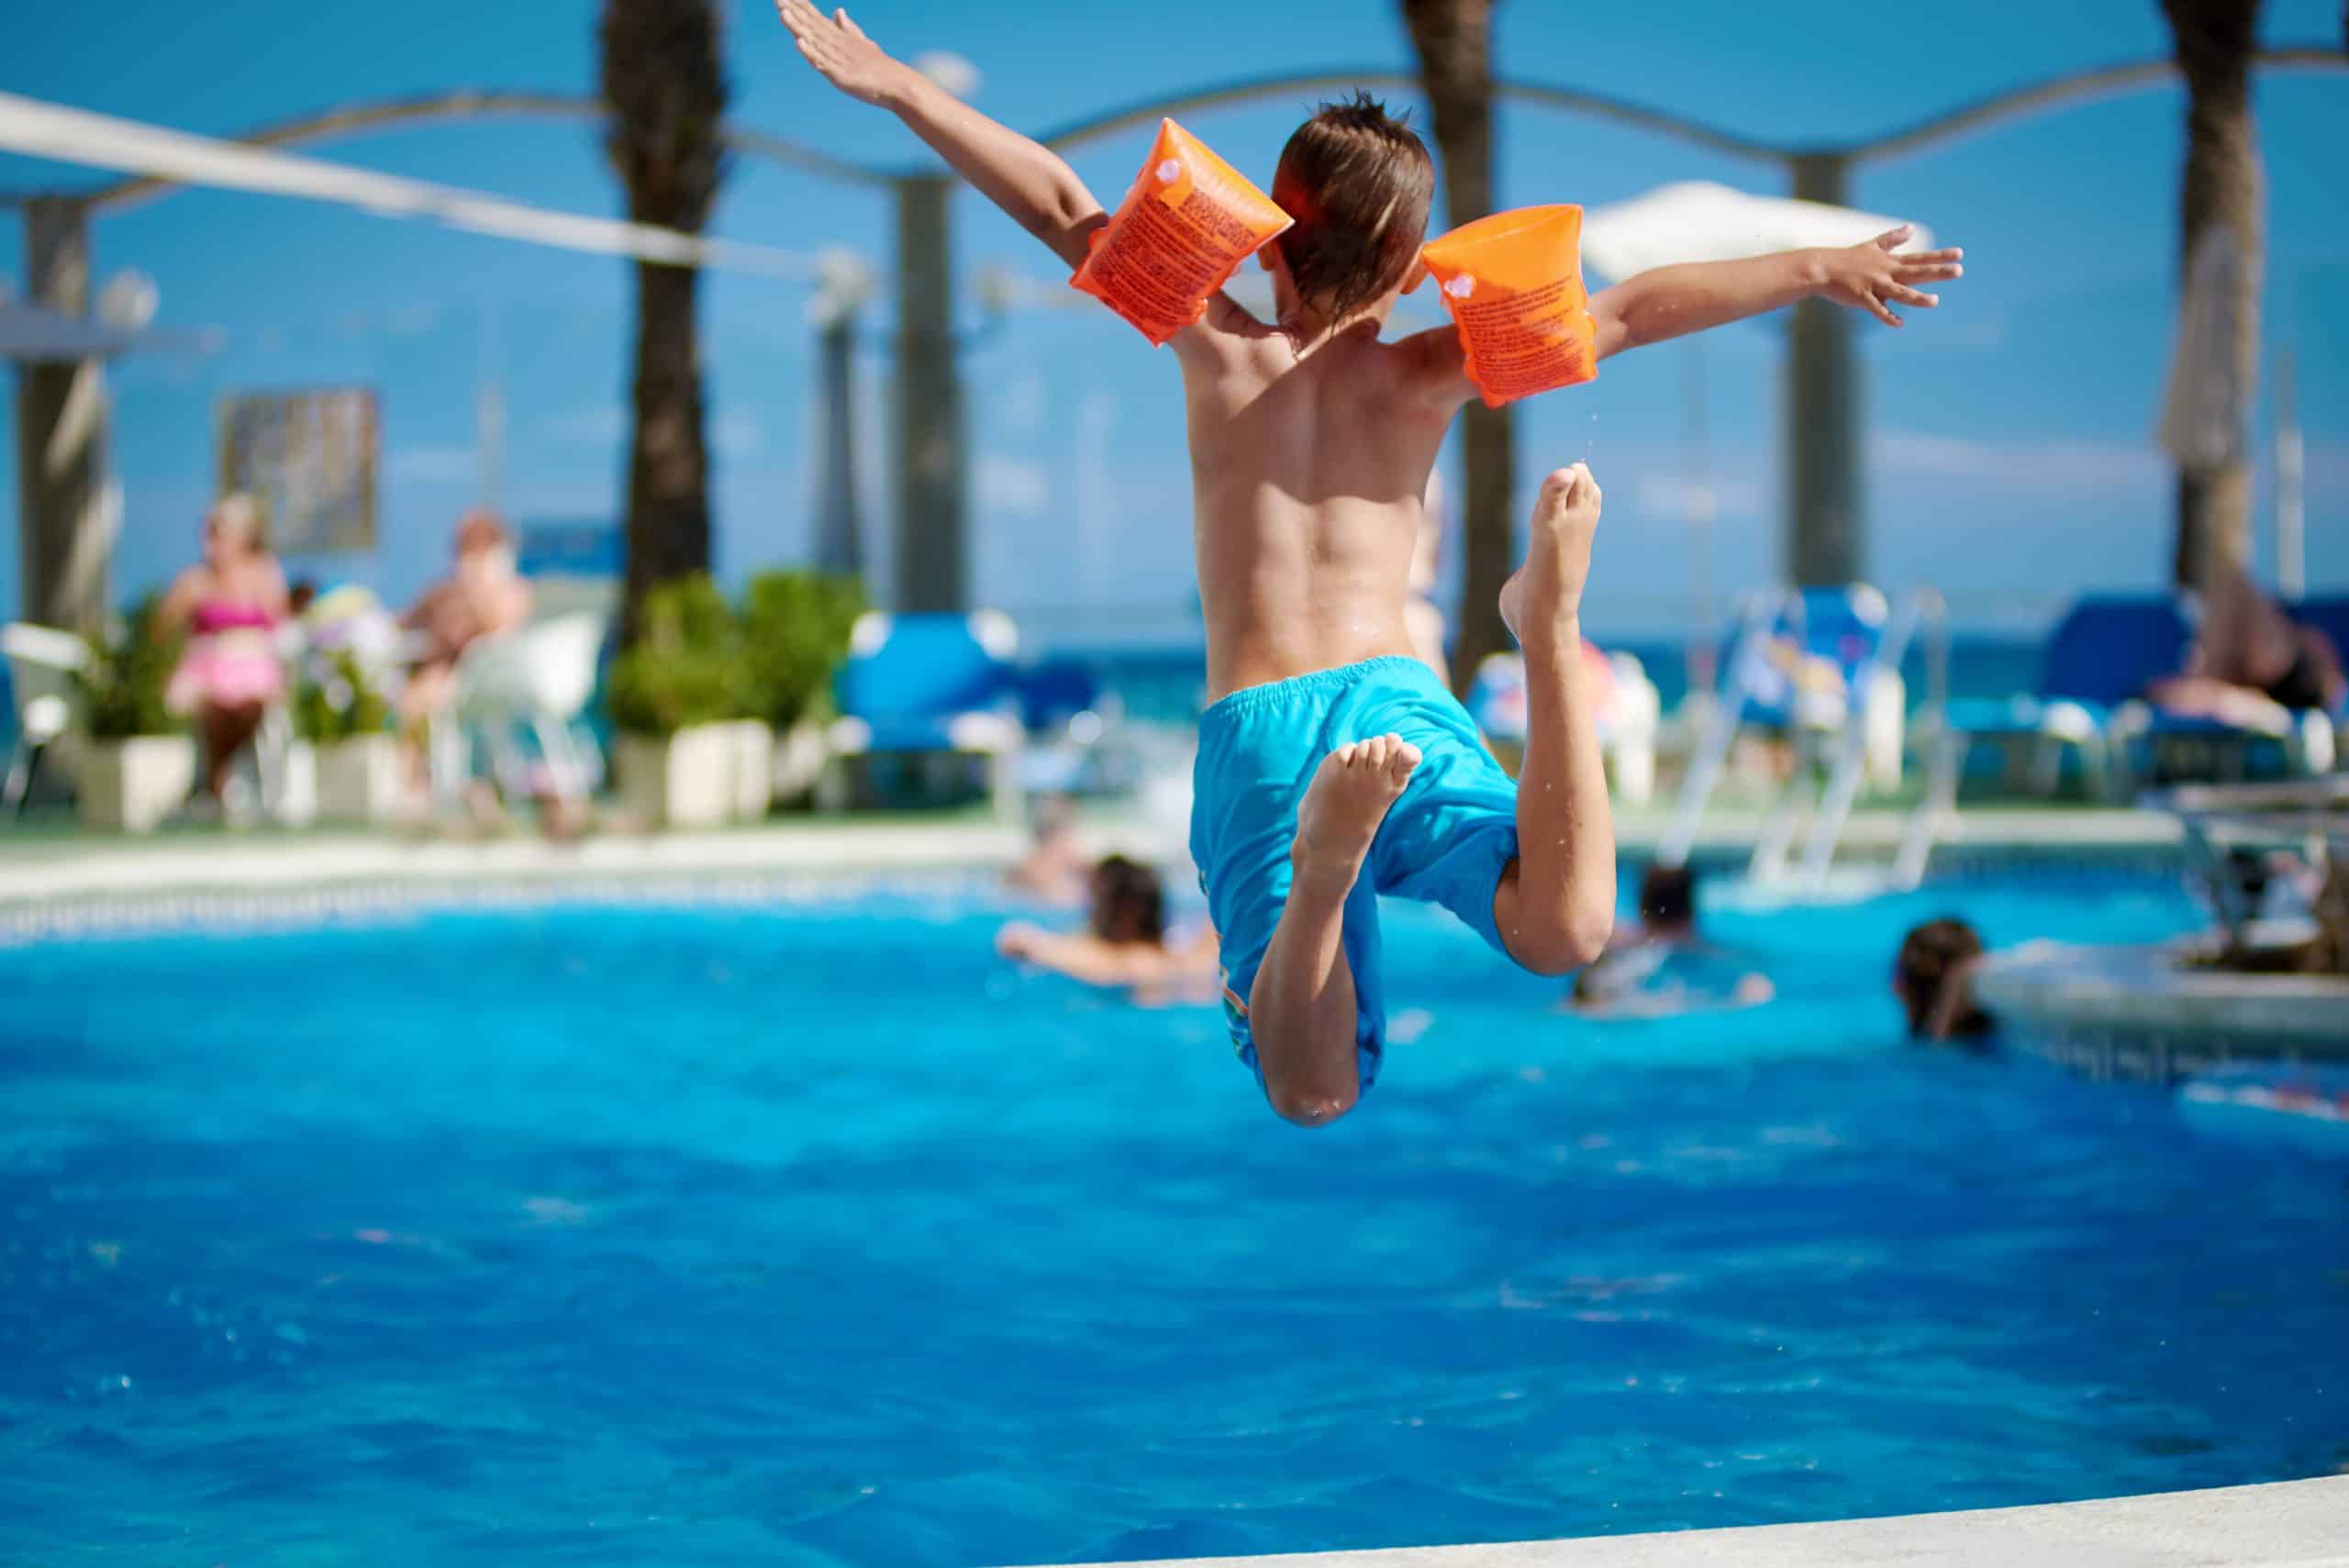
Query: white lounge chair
[44, 668]
[539, 678]
[1627, 727]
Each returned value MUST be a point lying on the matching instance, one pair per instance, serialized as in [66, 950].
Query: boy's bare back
[1309, 464]
[1308, 472]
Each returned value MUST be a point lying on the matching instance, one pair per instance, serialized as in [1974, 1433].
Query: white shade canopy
[1695, 220]
[31, 333]
[102, 141]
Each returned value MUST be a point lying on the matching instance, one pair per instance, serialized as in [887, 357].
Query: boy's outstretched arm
[1671, 302]
[1025, 179]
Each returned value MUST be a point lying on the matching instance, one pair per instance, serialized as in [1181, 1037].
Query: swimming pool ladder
[1921, 607]
[1783, 613]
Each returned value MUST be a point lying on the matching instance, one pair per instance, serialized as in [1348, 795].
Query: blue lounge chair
[2103, 654]
[2331, 617]
[930, 685]
[2305, 739]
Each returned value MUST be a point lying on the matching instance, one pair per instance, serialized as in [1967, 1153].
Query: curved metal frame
[354, 119]
[2104, 82]
[1569, 98]
[465, 103]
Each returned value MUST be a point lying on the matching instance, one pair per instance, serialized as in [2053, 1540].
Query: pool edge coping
[127, 886]
[2282, 1524]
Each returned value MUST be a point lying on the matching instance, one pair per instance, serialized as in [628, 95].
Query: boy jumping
[1329, 748]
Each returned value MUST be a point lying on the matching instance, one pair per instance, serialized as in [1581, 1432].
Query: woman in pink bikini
[229, 607]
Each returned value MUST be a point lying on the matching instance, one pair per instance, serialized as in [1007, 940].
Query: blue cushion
[1845, 625]
[1997, 715]
[2107, 650]
[2161, 723]
[930, 666]
[911, 732]
[1055, 691]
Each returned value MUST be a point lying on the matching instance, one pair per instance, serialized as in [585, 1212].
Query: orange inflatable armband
[1513, 284]
[1182, 231]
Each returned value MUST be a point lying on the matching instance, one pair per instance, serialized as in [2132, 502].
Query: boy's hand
[1870, 277]
[841, 52]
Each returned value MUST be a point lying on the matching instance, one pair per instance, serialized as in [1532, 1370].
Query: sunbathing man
[1330, 750]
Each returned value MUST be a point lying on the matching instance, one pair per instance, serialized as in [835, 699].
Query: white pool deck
[2292, 1524]
[38, 869]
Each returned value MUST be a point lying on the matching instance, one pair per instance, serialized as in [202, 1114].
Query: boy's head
[1358, 183]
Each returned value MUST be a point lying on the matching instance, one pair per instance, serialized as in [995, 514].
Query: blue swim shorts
[1446, 840]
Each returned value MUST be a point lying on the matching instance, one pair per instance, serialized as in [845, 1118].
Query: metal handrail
[1720, 732]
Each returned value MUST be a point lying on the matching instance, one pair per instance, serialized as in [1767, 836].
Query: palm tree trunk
[668, 465]
[664, 82]
[1453, 38]
[2223, 186]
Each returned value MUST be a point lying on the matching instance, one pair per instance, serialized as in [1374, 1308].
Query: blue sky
[2009, 449]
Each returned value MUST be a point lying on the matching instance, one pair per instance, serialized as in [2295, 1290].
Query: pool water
[815, 1235]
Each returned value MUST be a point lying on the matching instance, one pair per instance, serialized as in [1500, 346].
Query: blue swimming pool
[815, 1235]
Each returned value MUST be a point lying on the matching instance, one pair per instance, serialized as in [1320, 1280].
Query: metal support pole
[1825, 537]
[2292, 483]
[840, 523]
[65, 534]
[931, 548]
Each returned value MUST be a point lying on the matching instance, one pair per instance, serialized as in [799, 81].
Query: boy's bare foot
[1543, 596]
[1347, 801]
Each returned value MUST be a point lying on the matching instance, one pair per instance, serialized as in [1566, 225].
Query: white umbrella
[2206, 412]
[1695, 220]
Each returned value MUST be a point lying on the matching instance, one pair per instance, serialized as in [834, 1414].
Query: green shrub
[795, 635]
[123, 686]
[343, 707]
[685, 666]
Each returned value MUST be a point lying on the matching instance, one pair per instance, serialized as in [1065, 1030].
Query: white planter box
[359, 779]
[130, 785]
[686, 780]
[293, 794]
[800, 753]
[753, 769]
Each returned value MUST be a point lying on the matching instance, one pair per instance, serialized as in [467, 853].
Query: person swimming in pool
[1333, 766]
[1932, 978]
[1664, 966]
[1126, 944]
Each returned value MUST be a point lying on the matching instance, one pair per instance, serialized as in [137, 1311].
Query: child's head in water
[1934, 977]
[1668, 900]
[1129, 904]
[1358, 183]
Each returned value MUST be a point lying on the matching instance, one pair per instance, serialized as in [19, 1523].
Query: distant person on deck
[1664, 966]
[1054, 868]
[2251, 664]
[1934, 978]
[229, 606]
[1125, 944]
[484, 595]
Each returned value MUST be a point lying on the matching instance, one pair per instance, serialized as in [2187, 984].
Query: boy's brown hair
[1358, 182]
